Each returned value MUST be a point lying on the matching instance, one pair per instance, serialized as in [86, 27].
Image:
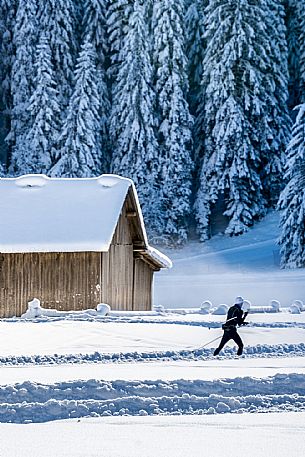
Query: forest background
[201, 103]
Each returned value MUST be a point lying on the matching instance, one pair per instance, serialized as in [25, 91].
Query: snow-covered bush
[275, 305]
[34, 309]
[205, 307]
[220, 310]
[103, 309]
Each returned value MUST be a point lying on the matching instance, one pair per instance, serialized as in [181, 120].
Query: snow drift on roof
[41, 214]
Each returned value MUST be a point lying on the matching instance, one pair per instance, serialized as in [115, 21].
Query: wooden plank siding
[65, 281]
[117, 267]
[142, 290]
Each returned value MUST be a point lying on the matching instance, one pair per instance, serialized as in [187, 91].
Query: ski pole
[206, 344]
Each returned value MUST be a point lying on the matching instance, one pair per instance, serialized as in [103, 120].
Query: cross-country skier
[235, 317]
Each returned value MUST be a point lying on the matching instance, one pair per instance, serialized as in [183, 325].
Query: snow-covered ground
[225, 267]
[100, 383]
[146, 384]
[252, 435]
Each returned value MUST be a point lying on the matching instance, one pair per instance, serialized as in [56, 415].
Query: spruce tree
[58, 22]
[2, 172]
[293, 21]
[132, 123]
[94, 28]
[7, 52]
[292, 199]
[279, 121]
[117, 19]
[232, 120]
[77, 154]
[291, 202]
[174, 120]
[194, 31]
[22, 82]
[300, 12]
[44, 109]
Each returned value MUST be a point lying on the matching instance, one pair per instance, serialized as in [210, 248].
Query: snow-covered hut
[74, 243]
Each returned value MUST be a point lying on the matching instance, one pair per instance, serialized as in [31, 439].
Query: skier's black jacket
[234, 318]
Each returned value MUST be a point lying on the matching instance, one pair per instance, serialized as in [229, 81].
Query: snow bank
[35, 310]
[33, 402]
[199, 353]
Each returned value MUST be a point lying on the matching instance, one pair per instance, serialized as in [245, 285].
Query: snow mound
[299, 304]
[275, 305]
[34, 310]
[159, 309]
[103, 309]
[294, 309]
[28, 181]
[205, 308]
[220, 310]
[108, 181]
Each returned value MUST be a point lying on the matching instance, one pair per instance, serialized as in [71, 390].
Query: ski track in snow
[33, 402]
[260, 350]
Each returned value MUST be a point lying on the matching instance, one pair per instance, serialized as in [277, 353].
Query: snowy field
[225, 267]
[146, 384]
[148, 380]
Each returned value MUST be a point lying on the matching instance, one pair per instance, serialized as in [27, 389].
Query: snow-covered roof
[42, 214]
[159, 257]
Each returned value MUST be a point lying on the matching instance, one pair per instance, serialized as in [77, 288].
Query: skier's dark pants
[228, 335]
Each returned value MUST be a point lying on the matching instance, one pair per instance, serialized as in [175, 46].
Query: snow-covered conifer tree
[117, 17]
[292, 199]
[279, 122]
[2, 172]
[194, 30]
[132, 125]
[22, 83]
[77, 153]
[57, 20]
[44, 110]
[94, 28]
[293, 19]
[7, 17]
[232, 119]
[174, 119]
[300, 12]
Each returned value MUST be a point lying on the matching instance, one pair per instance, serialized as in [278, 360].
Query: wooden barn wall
[143, 278]
[65, 281]
[117, 274]
[117, 268]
